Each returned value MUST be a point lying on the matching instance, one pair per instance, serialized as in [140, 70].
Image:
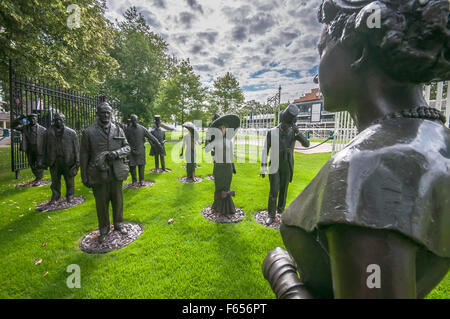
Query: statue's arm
[280, 271]
[300, 137]
[125, 149]
[265, 152]
[76, 147]
[152, 138]
[84, 157]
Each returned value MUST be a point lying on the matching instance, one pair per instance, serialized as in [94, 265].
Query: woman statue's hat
[228, 120]
[190, 126]
[157, 118]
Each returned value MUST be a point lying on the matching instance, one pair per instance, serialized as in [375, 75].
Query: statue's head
[134, 119]
[104, 112]
[59, 120]
[33, 118]
[157, 120]
[289, 115]
[403, 41]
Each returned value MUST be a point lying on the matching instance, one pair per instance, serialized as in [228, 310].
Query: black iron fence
[28, 96]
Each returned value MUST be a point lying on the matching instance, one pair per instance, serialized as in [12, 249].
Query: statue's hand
[262, 175]
[111, 155]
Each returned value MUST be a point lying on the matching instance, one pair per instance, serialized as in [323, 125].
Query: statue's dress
[223, 174]
[394, 175]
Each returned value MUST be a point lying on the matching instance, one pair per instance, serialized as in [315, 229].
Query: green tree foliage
[226, 95]
[37, 36]
[143, 63]
[181, 96]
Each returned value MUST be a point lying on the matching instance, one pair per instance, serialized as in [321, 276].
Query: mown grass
[192, 258]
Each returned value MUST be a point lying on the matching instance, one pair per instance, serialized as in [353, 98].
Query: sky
[263, 43]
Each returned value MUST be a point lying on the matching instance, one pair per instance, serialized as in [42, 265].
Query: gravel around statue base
[261, 216]
[138, 185]
[59, 204]
[114, 240]
[208, 213]
[159, 171]
[186, 180]
[209, 177]
[196, 166]
[33, 184]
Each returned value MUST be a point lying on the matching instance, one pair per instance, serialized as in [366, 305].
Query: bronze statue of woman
[374, 222]
[222, 131]
[189, 141]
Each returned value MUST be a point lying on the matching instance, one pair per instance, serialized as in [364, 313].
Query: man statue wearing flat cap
[281, 172]
[33, 145]
[104, 167]
[158, 151]
[62, 156]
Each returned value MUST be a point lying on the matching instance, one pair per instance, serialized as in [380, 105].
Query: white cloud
[273, 38]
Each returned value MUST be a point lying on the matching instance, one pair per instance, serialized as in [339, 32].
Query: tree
[181, 95]
[36, 35]
[226, 96]
[143, 63]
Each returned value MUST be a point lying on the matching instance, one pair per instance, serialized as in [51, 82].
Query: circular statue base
[196, 166]
[209, 214]
[160, 171]
[114, 240]
[33, 184]
[186, 180]
[59, 204]
[138, 185]
[209, 177]
[261, 216]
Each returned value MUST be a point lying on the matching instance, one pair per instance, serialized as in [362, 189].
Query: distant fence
[345, 129]
[28, 96]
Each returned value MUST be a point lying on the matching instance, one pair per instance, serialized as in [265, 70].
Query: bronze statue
[189, 141]
[374, 222]
[222, 133]
[33, 145]
[136, 135]
[285, 134]
[159, 152]
[104, 167]
[62, 157]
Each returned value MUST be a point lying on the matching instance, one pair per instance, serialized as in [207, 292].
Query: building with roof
[312, 117]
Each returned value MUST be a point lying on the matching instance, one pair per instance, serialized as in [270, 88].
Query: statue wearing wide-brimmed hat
[189, 141]
[223, 130]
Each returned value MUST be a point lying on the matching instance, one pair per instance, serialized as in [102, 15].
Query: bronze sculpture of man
[62, 157]
[282, 157]
[33, 145]
[158, 151]
[103, 153]
[374, 222]
[136, 135]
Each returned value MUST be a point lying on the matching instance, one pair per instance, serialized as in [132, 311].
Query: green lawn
[193, 258]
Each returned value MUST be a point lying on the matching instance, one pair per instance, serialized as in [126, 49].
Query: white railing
[345, 129]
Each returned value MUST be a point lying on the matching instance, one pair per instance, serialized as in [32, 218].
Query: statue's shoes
[52, 202]
[69, 199]
[101, 238]
[269, 220]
